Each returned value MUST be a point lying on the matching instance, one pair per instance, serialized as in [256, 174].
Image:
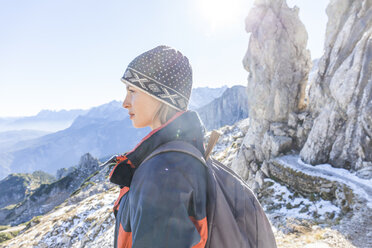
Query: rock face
[329, 122]
[278, 64]
[47, 196]
[340, 97]
[227, 109]
[277, 60]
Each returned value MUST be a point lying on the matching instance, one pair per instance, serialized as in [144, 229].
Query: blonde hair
[164, 113]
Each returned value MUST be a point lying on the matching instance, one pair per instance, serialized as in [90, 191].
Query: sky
[71, 54]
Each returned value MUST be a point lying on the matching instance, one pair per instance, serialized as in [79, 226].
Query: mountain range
[45, 120]
[102, 131]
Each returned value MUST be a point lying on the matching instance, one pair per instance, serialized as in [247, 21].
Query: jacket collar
[184, 125]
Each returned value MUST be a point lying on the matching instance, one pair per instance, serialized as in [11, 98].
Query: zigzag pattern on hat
[155, 88]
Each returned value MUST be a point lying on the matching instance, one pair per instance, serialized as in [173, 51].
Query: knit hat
[163, 73]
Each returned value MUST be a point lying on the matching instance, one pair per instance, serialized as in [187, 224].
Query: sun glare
[221, 13]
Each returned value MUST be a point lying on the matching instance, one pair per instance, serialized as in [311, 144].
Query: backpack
[235, 217]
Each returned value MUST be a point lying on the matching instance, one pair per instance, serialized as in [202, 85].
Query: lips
[131, 115]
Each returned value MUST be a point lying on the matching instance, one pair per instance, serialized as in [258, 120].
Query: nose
[126, 103]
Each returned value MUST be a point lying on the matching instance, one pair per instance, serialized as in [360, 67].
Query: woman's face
[141, 108]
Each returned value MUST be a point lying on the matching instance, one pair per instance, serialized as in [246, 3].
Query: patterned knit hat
[163, 73]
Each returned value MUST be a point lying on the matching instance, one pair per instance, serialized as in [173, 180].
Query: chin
[137, 125]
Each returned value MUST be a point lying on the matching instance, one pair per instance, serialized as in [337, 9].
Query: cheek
[142, 110]
[136, 102]
[145, 107]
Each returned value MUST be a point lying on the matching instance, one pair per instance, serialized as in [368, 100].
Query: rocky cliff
[227, 109]
[296, 121]
[340, 96]
[278, 64]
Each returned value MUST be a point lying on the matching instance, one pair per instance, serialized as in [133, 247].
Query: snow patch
[286, 203]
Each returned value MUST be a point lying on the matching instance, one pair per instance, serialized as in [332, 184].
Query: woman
[162, 202]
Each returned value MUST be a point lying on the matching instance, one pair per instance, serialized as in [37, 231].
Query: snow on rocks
[278, 200]
[324, 179]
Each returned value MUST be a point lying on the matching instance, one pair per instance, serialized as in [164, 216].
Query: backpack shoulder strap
[211, 143]
[182, 146]
[178, 146]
